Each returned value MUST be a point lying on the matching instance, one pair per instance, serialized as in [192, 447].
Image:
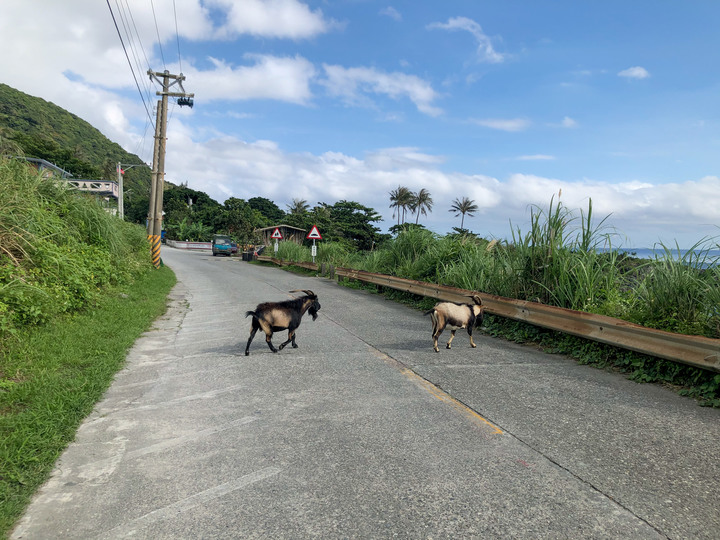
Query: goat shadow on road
[425, 347]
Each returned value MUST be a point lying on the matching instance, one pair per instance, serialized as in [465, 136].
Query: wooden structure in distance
[292, 234]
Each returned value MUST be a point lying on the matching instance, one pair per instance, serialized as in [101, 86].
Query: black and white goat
[456, 316]
[278, 316]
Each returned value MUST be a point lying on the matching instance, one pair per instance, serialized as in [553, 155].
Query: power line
[177, 36]
[128, 59]
[157, 31]
[131, 30]
[130, 41]
[147, 62]
[140, 146]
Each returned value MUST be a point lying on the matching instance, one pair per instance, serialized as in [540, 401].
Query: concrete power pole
[120, 169]
[121, 198]
[154, 221]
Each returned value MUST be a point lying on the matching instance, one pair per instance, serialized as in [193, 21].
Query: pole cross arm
[175, 94]
[156, 74]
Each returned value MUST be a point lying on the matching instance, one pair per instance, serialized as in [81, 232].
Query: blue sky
[509, 103]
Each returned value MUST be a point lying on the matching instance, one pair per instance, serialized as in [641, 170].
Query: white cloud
[392, 13]
[636, 72]
[683, 208]
[271, 77]
[352, 84]
[508, 124]
[401, 158]
[566, 122]
[271, 18]
[485, 50]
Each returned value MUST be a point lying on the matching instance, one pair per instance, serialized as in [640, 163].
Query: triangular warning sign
[314, 234]
[276, 234]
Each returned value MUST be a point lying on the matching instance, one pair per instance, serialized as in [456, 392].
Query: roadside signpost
[277, 235]
[313, 235]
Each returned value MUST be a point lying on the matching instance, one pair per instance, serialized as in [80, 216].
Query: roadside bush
[289, 251]
[679, 292]
[58, 248]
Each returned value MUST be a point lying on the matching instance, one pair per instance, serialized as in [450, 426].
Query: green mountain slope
[41, 129]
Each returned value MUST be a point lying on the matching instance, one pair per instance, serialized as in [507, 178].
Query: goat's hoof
[294, 346]
[474, 346]
[448, 346]
[247, 353]
[437, 350]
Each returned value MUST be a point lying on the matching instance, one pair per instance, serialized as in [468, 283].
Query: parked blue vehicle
[222, 245]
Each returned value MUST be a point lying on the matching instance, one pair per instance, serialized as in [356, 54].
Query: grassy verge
[52, 376]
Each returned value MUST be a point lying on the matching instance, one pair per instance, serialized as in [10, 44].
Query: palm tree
[298, 206]
[422, 203]
[401, 199]
[464, 206]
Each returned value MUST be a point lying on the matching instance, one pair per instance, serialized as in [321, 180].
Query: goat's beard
[313, 312]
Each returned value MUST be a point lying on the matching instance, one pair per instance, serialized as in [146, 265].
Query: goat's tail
[248, 313]
[429, 312]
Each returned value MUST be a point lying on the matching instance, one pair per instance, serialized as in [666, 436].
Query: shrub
[59, 248]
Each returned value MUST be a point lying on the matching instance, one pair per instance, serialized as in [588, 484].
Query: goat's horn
[306, 291]
[476, 299]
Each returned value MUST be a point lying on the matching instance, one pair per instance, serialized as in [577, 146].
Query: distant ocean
[650, 253]
[712, 256]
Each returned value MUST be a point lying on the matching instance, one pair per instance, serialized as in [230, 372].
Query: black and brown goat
[278, 316]
[456, 316]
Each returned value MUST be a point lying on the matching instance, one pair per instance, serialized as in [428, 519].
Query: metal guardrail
[697, 351]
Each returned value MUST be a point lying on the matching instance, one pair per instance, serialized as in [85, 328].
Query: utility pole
[121, 202]
[154, 221]
[120, 169]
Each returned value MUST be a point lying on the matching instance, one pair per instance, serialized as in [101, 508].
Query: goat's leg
[436, 330]
[267, 328]
[268, 340]
[254, 330]
[436, 335]
[472, 343]
[291, 338]
[452, 336]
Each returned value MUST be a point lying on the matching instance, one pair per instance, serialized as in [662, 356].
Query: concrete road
[365, 432]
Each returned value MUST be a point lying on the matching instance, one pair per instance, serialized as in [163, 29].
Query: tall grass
[680, 292]
[60, 249]
[290, 251]
[336, 253]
